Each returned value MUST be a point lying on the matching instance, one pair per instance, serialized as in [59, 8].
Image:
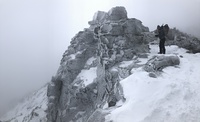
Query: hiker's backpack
[161, 32]
[166, 29]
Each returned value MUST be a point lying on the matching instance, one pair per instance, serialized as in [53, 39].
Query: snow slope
[174, 96]
[32, 109]
[171, 97]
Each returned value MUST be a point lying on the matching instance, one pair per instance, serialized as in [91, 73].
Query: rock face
[98, 50]
[117, 13]
[183, 40]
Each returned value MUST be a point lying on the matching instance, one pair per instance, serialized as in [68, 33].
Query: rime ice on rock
[78, 96]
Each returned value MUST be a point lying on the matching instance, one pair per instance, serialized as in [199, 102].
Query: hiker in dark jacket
[162, 31]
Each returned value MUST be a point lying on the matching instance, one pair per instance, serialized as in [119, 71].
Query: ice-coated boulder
[157, 63]
[100, 16]
[117, 13]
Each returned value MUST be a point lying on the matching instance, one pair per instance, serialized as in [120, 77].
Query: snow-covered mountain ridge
[112, 72]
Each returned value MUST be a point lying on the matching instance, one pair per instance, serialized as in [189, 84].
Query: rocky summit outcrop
[98, 51]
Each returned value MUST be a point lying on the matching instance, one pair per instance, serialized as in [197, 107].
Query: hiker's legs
[164, 49]
[162, 46]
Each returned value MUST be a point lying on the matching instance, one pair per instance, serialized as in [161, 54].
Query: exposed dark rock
[153, 75]
[117, 13]
[54, 91]
[112, 103]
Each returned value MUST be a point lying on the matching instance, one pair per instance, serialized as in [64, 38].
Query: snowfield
[32, 108]
[174, 96]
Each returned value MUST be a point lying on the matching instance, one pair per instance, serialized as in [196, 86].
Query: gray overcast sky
[35, 33]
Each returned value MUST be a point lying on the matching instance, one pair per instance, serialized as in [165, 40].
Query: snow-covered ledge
[158, 62]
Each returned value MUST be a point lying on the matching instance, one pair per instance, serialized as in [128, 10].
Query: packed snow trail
[171, 97]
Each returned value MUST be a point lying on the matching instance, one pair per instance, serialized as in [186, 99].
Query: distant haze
[35, 33]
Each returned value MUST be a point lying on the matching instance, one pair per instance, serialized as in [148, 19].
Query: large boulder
[99, 17]
[134, 26]
[117, 13]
